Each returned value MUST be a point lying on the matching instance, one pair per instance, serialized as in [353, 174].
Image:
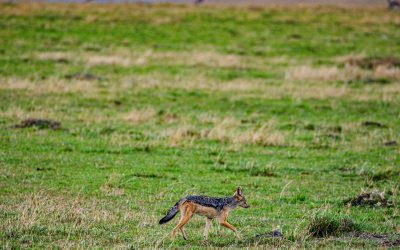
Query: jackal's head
[239, 198]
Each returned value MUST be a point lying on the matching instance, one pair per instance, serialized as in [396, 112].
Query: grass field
[298, 106]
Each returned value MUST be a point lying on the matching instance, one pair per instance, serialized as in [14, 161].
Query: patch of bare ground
[383, 240]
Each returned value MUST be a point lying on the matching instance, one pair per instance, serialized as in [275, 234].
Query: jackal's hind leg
[183, 234]
[185, 217]
[174, 231]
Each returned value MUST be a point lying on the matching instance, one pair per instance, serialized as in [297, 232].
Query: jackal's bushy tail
[171, 214]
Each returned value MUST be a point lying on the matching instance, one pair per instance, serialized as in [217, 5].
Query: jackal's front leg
[227, 225]
[208, 224]
[224, 223]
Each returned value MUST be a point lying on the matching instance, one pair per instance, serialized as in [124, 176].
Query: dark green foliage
[324, 225]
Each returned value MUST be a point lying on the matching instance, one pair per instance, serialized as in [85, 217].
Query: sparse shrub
[323, 225]
[385, 174]
[309, 126]
[374, 62]
[270, 172]
[249, 168]
[373, 198]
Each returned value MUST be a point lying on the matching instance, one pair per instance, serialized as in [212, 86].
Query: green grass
[196, 101]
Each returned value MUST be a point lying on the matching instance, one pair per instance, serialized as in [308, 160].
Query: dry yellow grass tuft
[54, 56]
[125, 58]
[110, 188]
[34, 208]
[264, 136]
[308, 73]
[144, 115]
[207, 58]
[347, 74]
[301, 92]
[223, 131]
[16, 113]
[181, 134]
[43, 214]
[383, 71]
[227, 130]
[207, 118]
[93, 60]
[52, 85]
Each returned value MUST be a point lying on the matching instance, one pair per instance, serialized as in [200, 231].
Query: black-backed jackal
[210, 207]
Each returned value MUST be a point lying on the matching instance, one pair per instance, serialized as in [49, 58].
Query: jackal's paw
[238, 236]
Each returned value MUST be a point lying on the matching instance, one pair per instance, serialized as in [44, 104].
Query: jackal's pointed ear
[238, 191]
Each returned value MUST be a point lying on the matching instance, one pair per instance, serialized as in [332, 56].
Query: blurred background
[242, 2]
[109, 113]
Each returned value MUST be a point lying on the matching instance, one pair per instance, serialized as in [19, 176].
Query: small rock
[83, 77]
[273, 234]
[372, 199]
[390, 143]
[373, 124]
[39, 123]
